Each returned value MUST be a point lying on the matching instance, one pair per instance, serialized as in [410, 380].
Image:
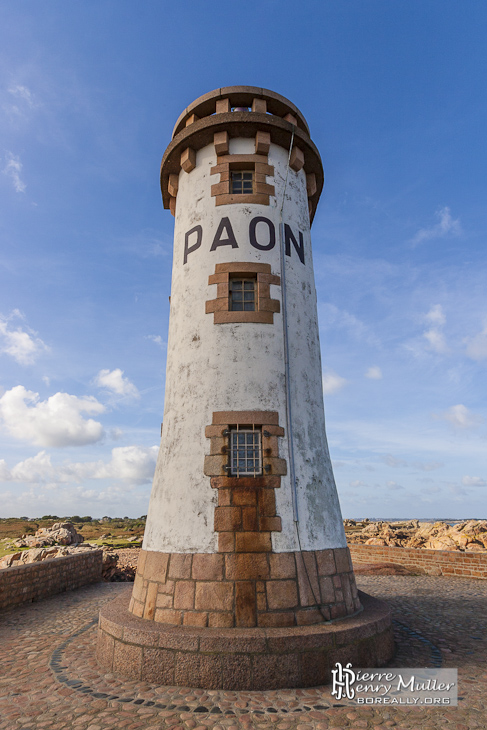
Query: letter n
[288, 237]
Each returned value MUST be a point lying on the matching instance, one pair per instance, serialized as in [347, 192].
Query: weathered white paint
[240, 367]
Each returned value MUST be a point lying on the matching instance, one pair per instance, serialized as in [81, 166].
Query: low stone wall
[430, 562]
[27, 583]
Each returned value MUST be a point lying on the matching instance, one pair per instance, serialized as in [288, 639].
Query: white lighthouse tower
[244, 533]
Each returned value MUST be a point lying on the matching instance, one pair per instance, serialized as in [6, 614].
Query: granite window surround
[221, 307]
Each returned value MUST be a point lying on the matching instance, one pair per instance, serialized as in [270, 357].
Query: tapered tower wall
[240, 366]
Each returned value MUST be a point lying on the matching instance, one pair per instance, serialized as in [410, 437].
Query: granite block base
[241, 659]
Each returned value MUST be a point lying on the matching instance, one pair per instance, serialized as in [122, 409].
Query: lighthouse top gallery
[243, 499]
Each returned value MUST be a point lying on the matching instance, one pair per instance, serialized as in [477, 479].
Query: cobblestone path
[49, 677]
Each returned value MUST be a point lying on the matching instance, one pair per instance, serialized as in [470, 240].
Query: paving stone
[438, 621]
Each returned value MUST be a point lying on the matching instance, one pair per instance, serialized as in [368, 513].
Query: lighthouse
[244, 574]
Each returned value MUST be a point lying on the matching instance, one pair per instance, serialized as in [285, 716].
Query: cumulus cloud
[436, 315]
[460, 417]
[446, 225]
[332, 382]
[434, 336]
[157, 339]
[5, 474]
[20, 343]
[474, 482]
[13, 168]
[391, 460]
[374, 373]
[55, 422]
[114, 381]
[477, 345]
[394, 486]
[35, 469]
[132, 465]
[436, 341]
[428, 465]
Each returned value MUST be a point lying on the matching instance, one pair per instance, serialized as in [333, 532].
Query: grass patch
[9, 549]
[118, 544]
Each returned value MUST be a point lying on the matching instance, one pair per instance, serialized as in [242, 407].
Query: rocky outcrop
[470, 535]
[61, 533]
[36, 555]
[120, 566]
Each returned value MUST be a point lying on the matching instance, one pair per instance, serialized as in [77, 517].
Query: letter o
[252, 233]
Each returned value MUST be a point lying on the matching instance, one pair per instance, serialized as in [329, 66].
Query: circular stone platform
[241, 659]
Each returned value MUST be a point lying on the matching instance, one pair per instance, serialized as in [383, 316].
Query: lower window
[245, 451]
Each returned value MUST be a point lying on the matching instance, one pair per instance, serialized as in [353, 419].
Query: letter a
[230, 240]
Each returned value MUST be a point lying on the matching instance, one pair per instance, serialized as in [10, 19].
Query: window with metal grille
[243, 295]
[245, 451]
[242, 182]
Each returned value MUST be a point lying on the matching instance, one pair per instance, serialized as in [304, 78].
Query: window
[245, 451]
[242, 182]
[243, 295]
[243, 178]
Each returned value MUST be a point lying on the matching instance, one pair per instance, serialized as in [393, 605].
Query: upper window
[243, 177]
[243, 295]
[245, 451]
[242, 182]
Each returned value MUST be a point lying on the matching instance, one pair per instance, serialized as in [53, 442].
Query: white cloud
[357, 483]
[113, 380]
[157, 339]
[460, 417]
[374, 373]
[13, 168]
[22, 92]
[5, 474]
[36, 469]
[133, 465]
[434, 336]
[55, 422]
[477, 346]
[436, 341]
[428, 465]
[394, 486]
[391, 460]
[436, 316]
[24, 346]
[332, 382]
[474, 482]
[17, 103]
[446, 225]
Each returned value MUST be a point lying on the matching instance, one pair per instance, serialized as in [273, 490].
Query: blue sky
[395, 97]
